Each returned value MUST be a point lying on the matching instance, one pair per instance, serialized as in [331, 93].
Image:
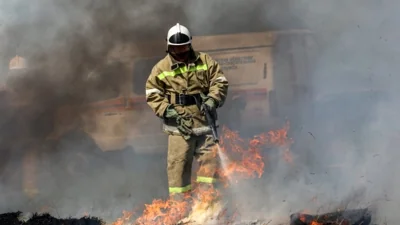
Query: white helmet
[179, 35]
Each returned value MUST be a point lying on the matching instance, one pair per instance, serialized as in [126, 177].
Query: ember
[45, 219]
[341, 217]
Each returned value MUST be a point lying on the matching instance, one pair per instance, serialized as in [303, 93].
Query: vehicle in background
[268, 72]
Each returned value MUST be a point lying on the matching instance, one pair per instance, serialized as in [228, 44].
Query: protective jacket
[176, 83]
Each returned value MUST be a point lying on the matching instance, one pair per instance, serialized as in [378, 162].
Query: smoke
[353, 123]
[69, 48]
[353, 82]
[346, 148]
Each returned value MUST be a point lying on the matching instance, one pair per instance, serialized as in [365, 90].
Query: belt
[182, 99]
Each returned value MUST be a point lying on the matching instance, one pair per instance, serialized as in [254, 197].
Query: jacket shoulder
[162, 65]
[206, 58]
[204, 55]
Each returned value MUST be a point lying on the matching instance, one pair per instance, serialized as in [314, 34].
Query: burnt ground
[342, 217]
[350, 217]
[16, 218]
[96, 195]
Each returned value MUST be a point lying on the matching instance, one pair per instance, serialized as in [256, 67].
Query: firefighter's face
[180, 53]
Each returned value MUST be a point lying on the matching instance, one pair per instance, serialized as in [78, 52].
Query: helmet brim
[179, 44]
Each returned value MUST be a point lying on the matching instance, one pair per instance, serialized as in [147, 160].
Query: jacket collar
[176, 64]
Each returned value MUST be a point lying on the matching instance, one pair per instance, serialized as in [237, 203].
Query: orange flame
[308, 219]
[245, 160]
[245, 157]
[126, 217]
[163, 212]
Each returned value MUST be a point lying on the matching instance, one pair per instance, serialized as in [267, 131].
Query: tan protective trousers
[181, 154]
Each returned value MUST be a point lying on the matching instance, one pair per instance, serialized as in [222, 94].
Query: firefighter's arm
[218, 83]
[155, 97]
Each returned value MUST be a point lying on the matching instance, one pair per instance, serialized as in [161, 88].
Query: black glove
[185, 126]
[171, 113]
[209, 105]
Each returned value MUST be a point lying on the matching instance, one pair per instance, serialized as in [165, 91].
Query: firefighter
[179, 88]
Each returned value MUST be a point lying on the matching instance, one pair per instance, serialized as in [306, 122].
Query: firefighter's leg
[207, 155]
[207, 207]
[180, 158]
[207, 175]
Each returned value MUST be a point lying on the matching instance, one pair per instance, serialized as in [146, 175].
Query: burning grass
[246, 156]
[244, 160]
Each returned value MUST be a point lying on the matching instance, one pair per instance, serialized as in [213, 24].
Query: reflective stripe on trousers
[207, 180]
[180, 189]
[200, 179]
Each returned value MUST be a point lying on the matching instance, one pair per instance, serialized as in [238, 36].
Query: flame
[163, 212]
[245, 156]
[167, 212]
[304, 218]
[245, 160]
[125, 218]
[308, 219]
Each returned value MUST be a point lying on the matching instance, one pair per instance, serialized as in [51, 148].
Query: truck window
[141, 71]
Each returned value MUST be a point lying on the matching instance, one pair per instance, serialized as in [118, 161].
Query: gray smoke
[347, 147]
[68, 46]
[353, 123]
